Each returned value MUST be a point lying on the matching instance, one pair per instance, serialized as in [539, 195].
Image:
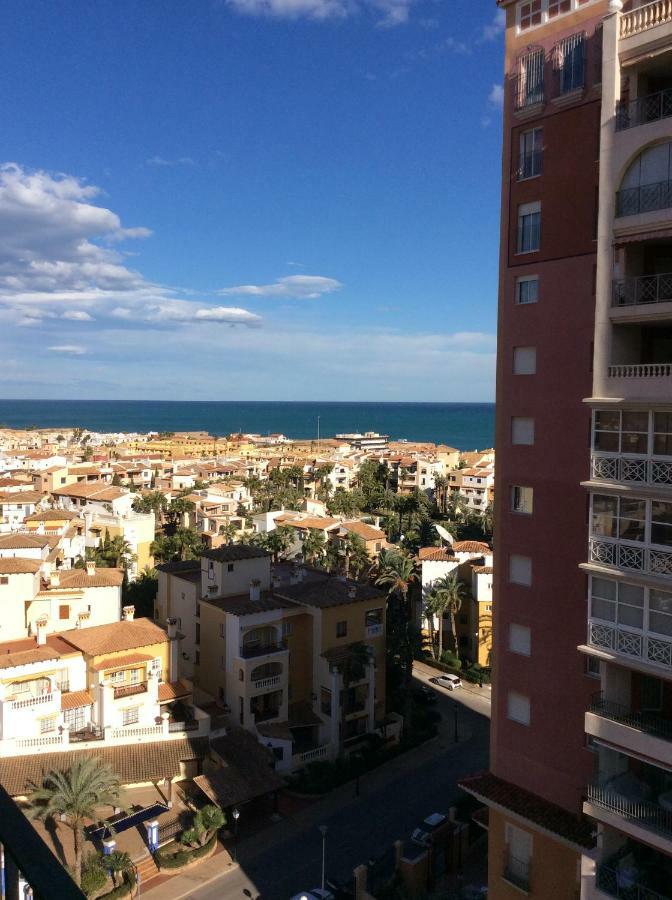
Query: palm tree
[163, 548]
[436, 604]
[74, 796]
[119, 552]
[228, 531]
[456, 506]
[355, 554]
[154, 501]
[117, 863]
[177, 511]
[452, 592]
[396, 572]
[278, 541]
[189, 543]
[488, 519]
[314, 546]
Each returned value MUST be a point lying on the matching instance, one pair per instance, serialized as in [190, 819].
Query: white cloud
[496, 96]
[388, 13]
[301, 287]
[231, 315]
[69, 349]
[59, 260]
[77, 315]
[496, 28]
[162, 161]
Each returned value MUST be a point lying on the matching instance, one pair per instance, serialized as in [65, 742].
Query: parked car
[450, 682]
[425, 696]
[314, 894]
[422, 835]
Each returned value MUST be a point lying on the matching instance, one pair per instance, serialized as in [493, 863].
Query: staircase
[147, 869]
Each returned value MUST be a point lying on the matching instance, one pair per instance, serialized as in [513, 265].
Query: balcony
[517, 872]
[623, 715]
[267, 684]
[128, 690]
[631, 557]
[651, 108]
[616, 883]
[624, 796]
[638, 20]
[642, 290]
[643, 199]
[252, 651]
[37, 700]
[640, 733]
[636, 645]
[631, 470]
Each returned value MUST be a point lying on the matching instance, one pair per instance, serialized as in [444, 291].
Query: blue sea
[467, 426]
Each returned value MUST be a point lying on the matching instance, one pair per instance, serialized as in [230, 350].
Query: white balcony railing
[312, 755]
[266, 683]
[635, 644]
[642, 370]
[632, 470]
[38, 700]
[632, 557]
[657, 13]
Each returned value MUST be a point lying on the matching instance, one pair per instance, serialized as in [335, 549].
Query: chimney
[255, 590]
[83, 619]
[172, 628]
[90, 567]
[352, 591]
[376, 521]
[128, 613]
[55, 579]
[41, 631]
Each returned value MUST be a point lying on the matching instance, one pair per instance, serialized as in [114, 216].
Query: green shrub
[168, 858]
[122, 890]
[449, 659]
[94, 876]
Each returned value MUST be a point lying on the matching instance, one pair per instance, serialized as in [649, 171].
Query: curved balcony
[643, 199]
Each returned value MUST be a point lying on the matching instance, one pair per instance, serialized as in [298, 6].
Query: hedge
[167, 860]
[122, 890]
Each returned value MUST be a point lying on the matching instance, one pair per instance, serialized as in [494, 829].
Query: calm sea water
[467, 426]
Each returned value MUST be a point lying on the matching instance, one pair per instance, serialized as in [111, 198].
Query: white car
[451, 682]
[314, 894]
[423, 834]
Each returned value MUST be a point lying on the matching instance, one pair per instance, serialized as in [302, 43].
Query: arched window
[647, 185]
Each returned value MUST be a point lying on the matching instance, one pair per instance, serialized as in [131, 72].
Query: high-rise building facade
[580, 787]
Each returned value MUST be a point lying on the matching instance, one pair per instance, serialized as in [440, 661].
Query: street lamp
[236, 815]
[323, 830]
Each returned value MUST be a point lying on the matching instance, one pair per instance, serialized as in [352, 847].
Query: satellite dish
[443, 533]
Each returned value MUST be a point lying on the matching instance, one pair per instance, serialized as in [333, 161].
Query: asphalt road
[286, 859]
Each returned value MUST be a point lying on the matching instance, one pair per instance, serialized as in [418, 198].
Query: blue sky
[252, 199]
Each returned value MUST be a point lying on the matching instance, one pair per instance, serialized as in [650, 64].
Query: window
[527, 289]
[130, 715]
[4, 579]
[520, 639]
[522, 499]
[621, 432]
[156, 666]
[520, 570]
[518, 708]
[222, 630]
[592, 667]
[74, 719]
[116, 677]
[569, 62]
[47, 725]
[619, 603]
[63, 611]
[660, 612]
[529, 227]
[645, 186]
[661, 523]
[341, 629]
[524, 360]
[286, 629]
[555, 7]
[531, 153]
[662, 434]
[530, 14]
[530, 78]
[373, 617]
[522, 430]
[619, 517]
[135, 676]
[197, 639]
[651, 694]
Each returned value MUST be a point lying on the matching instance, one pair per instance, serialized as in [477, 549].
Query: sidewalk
[181, 886]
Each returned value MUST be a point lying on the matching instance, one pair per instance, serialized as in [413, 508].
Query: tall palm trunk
[440, 634]
[453, 628]
[78, 836]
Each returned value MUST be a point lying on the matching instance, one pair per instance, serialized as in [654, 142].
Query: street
[286, 858]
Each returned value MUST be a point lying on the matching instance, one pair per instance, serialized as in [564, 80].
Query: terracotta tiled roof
[234, 552]
[322, 591]
[496, 792]
[171, 690]
[94, 490]
[471, 547]
[365, 531]
[75, 699]
[21, 498]
[306, 522]
[120, 662]
[98, 640]
[484, 570]
[51, 515]
[435, 554]
[25, 541]
[134, 763]
[17, 565]
[79, 578]
[247, 771]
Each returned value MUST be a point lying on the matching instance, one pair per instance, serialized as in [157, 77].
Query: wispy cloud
[495, 29]
[300, 287]
[496, 96]
[77, 315]
[387, 13]
[68, 349]
[162, 161]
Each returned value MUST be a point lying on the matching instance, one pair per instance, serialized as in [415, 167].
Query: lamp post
[323, 831]
[236, 815]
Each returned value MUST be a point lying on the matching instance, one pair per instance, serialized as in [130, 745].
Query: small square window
[529, 227]
[229, 568]
[520, 639]
[518, 708]
[527, 289]
[4, 579]
[520, 570]
[592, 667]
[341, 629]
[524, 360]
[63, 612]
[522, 499]
[522, 430]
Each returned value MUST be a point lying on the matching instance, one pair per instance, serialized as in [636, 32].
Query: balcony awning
[644, 234]
[120, 662]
